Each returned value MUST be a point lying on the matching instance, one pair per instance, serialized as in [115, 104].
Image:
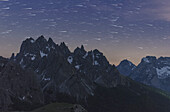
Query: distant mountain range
[44, 72]
[151, 71]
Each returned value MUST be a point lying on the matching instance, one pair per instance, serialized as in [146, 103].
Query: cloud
[146, 10]
[6, 8]
[98, 39]
[158, 9]
[140, 48]
[6, 32]
[4, 0]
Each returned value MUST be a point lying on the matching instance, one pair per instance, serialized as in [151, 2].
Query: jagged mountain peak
[2, 58]
[153, 59]
[126, 67]
[149, 59]
[41, 44]
[41, 38]
[12, 56]
[64, 48]
[153, 71]
[57, 67]
[80, 51]
[126, 61]
[82, 47]
[41, 48]
[62, 44]
[29, 39]
[43, 72]
[96, 51]
[163, 58]
[50, 41]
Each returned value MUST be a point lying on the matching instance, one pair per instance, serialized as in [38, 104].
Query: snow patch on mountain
[163, 72]
[48, 48]
[85, 55]
[130, 63]
[33, 58]
[21, 61]
[77, 67]
[45, 79]
[32, 41]
[93, 58]
[97, 55]
[133, 67]
[70, 59]
[96, 63]
[42, 54]
[146, 60]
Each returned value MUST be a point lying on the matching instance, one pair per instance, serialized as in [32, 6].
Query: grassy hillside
[133, 97]
[60, 107]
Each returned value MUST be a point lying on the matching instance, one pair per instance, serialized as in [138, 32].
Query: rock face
[18, 88]
[3, 62]
[61, 71]
[44, 72]
[126, 67]
[152, 71]
[78, 108]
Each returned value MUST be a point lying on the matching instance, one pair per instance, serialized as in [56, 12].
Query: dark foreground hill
[60, 107]
[133, 98]
[43, 73]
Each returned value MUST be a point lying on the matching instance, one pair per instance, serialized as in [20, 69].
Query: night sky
[121, 29]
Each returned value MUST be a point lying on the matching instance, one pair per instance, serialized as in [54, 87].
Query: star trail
[121, 29]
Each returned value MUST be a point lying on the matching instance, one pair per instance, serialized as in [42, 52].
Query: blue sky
[121, 29]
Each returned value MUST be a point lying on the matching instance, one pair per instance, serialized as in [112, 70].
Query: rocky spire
[41, 39]
[82, 47]
[64, 48]
[50, 41]
[12, 56]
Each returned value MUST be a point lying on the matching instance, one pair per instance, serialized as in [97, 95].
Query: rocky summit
[59, 70]
[44, 72]
[151, 71]
[126, 67]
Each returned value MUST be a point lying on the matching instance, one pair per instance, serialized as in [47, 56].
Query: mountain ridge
[126, 67]
[79, 68]
[153, 71]
[79, 77]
